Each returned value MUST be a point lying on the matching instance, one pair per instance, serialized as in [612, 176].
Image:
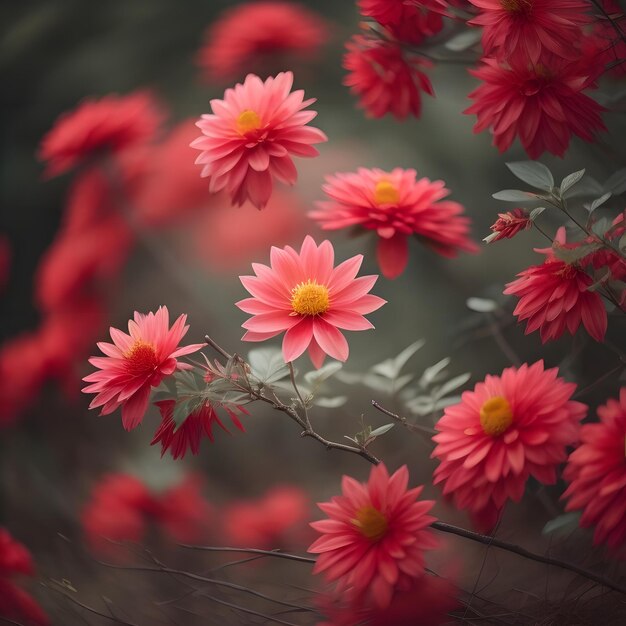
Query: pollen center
[248, 120]
[371, 523]
[496, 416]
[310, 298]
[140, 358]
[516, 6]
[386, 193]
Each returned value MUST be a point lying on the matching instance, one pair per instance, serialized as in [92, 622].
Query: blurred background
[54, 452]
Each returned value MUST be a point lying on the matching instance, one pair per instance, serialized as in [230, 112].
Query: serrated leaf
[463, 40]
[570, 180]
[481, 305]
[515, 195]
[566, 521]
[616, 183]
[598, 202]
[381, 430]
[536, 212]
[267, 365]
[533, 173]
[573, 255]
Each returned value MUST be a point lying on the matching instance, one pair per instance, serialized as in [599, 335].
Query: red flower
[385, 79]
[95, 127]
[509, 224]
[246, 37]
[544, 105]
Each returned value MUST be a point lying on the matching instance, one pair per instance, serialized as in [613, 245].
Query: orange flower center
[247, 121]
[386, 193]
[309, 298]
[496, 416]
[516, 6]
[371, 523]
[141, 358]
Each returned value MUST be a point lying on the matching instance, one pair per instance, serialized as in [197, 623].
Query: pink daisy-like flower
[555, 297]
[306, 296]
[384, 78]
[250, 35]
[135, 363]
[112, 123]
[251, 135]
[544, 105]
[508, 428]
[387, 12]
[509, 224]
[396, 205]
[188, 435]
[374, 540]
[524, 30]
[596, 471]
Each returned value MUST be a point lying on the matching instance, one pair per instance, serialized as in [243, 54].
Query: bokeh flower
[136, 362]
[596, 471]
[250, 137]
[306, 296]
[396, 205]
[509, 224]
[510, 427]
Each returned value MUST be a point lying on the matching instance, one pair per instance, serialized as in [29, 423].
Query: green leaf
[598, 202]
[381, 430]
[601, 277]
[481, 305]
[316, 377]
[567, 521]
[330, 402]
[533, 173]
[434, 372]
[515, 195]
[622, 242]
[464, 40]
[573, 255]
[616, 183]
[452, 384]
[570, 180]
[391, 368]
[267, 365]
[536, 212]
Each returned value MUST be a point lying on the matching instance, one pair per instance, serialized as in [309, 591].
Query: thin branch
[593, 385]
[424, 430]
[292, 376]
[217, 348]
[503, 344]
[272, 553]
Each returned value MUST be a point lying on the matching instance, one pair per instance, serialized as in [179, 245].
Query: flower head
[508, 428]
[135, 363]
[255, 33]
[543, 104]
[306, 296]
[396, 205]
[374, 540]
[384, 78]
[198, 424]
[509, 224]
[596, 471]
[251, 135]
[525, 30]
[112, 123]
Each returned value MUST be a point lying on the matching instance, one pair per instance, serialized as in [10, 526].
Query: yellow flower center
[516, 6]
[310, 298]
[248, 120]
[371, 523]
[140, 358]
[496, 416]
[386, 193]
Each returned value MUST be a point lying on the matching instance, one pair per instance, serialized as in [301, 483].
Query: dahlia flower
[112, 123]
[255, 33]
[555, 297]
[306, 296]
[523, 31]
[509, 224]
[596, 471]
[544, 105]
[188, 435]
[135, 363]
[374, 540]
[387, 12]
[508, 428]
[384, 78]
[396, 205]
[249, 138]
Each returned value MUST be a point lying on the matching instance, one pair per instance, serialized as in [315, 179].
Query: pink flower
[254, 34]
[306, 296]
[196, 425]
[544, 105]
[135, 363]
[555, 297]
[596, 471]
[384, 78]
[249, 138]
[374, 540]
[523, 31]
[387, 12]
[509, 224]
[396, 205]
[508, 428]
[112, 123]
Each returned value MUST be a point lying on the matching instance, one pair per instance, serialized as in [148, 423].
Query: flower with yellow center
[140, 358]
[371, 523]
[496, 416]
[248, 121]
[386, 193]
[309, 298]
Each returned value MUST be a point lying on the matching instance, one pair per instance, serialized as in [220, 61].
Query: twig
[217, 348]
[292, 376]
[403, 420]
[272, 553]
[503, 344]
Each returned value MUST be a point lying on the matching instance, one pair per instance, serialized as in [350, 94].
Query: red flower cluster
[509, 224]
[15, 603]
